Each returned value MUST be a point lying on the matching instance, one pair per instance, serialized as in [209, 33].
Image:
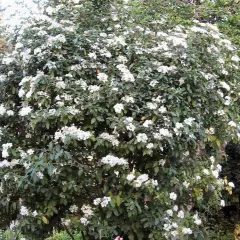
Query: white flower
[142, 137]
[122, 59]
[175, 208]
[186, 231]
[167, 227]
[173, 196]
[2, 109]
[189, 121]
[210, 131]
[219, 167]
[30, 152]
[174, 225]
[130, 177]
[93, 88]
[198, 221]
[84, 221]
[128, 99]
[147, 123]
[225, 85]
[141, 179]
[149, 146]
[162, 162]
[179, 125]
[235, 58]
[25, 111]
[105, 201]
[65, 222]
[127, 76]
[186, 154]
[212, 159]
[151, 105]
[206, 172]
[180, 214]
[162, 109]
[174, 233]
[50, 10]
[60, 85]
[166, 69]
[222, 203]
[225, 72]
[18, 45]
[73, 208]
[102, 77]
[118, 108]
[39, 175]
[110, 138]
[87, 210]
[228, 100]
[72, 132]
[232, 124]
[97, 201]
[35, 213]
[231, 184]
[113, 161]
[130, 127]
[24, 211]
[153, 83]
[13, 224]
[215, 173]
[169, 212]
[198, 178]
[92, 55]
[186, 184]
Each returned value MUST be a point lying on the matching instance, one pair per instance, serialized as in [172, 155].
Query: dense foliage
[112, 127]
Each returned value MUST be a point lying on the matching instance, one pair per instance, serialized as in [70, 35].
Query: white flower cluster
[118, 108]
[84, 221]
[128, 99]
[127, 76]
[142, 138]
[142, 179]
[39, 175]
[113, 161]
[25, 111]
[65, 222]
[52, 40]
[72, 132]
[102, 201]
[172, 228]
[87, 210]
[102, 77]
[129, 125]
[110, 138]
[178, 128]
[163, 133]
[215, 170]
[24, 211]
[2, 109]
[5, 148]
[147, 123]
[5, 163]
[166, 69]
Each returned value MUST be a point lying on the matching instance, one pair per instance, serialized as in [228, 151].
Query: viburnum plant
[114, 128]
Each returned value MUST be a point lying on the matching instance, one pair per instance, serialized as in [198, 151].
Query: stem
[83, 237]
[69, 233]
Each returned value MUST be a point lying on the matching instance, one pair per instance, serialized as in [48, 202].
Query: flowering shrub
[112, 127]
